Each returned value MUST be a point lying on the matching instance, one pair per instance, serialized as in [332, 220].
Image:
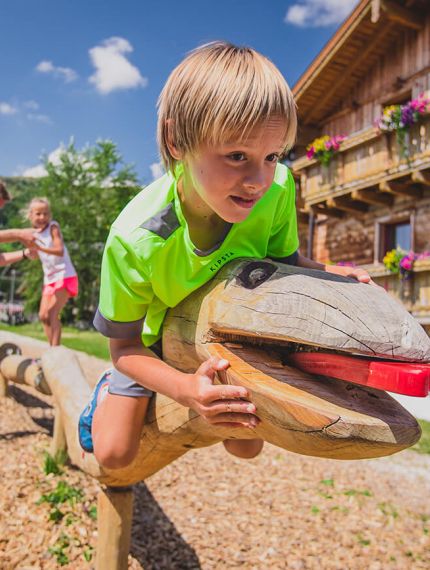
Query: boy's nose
[255, 181]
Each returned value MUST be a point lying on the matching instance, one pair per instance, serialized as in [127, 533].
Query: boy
[226, 117]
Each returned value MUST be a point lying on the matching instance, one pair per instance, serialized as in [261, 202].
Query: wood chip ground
[211, 511]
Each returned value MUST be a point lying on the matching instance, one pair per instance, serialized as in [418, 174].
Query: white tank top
[55, 267]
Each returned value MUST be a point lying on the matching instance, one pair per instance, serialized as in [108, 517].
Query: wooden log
[114, 515]
[4, 388]
[22, 370]
[71, 393]
[272, 304]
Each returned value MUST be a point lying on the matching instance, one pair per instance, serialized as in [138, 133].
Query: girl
[60, 280]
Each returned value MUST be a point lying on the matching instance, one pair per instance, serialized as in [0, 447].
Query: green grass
[90, 342]
[423, 446]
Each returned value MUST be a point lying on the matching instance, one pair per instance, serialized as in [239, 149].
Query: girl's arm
[195, 391]
[355, 272]
[58, 244]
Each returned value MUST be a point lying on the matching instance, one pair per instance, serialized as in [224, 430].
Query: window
[392, 233]
[398, 235]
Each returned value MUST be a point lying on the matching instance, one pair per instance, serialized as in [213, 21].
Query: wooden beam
[302, 217]
[421, 177]
[347, 205]
[372, 197]
[326, 211]
[348, 72]
[400, 188]
[401, 15]
[376, 11]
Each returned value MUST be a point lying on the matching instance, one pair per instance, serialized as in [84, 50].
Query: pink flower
[406, 263]
[310, 153]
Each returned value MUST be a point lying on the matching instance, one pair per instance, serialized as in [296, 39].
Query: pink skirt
[71, 285]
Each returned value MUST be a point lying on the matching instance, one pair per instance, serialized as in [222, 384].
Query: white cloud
[318, 13]
[65, 73]
[6, 109]
[39, 118]
[157, 170]
[113, 70]
[32, 105]
[39, 170]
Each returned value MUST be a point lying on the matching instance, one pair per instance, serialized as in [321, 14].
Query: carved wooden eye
[255, 273]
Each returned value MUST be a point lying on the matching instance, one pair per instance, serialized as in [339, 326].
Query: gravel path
[209, 510]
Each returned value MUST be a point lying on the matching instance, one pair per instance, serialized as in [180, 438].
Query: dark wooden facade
[370, 194]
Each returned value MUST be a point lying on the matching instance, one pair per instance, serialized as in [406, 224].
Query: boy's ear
[170, 140]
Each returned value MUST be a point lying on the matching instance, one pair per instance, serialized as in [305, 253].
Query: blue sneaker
[86, 418]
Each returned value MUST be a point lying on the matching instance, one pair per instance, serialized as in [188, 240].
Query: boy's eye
[272, 157]
[237, 156]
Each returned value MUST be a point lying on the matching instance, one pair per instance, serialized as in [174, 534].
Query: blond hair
[34, 201]
[220, 91]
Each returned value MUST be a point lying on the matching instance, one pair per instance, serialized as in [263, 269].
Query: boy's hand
[222, 405]
[356, 272]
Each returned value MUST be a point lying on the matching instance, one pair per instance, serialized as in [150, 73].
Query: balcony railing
[414, 292]
[366, 159]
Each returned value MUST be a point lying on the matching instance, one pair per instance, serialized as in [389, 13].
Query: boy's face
[230, 178]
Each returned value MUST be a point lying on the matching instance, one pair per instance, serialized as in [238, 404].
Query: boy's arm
[218, 404]
[344, 270]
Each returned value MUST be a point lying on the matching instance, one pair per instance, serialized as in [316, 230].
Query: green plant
[324, 148]
[61, 494]
[399, 118]
[388, 509]
[363, 541]
[58, 549]
[355, 492]
[92, 512]
[327, 482]
[88, 553]
[54, 464]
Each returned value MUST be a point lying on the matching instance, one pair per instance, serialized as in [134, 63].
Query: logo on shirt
[221, 261]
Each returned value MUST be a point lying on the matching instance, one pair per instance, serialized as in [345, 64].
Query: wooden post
[59, 442]
[4, 389]
[114, 515]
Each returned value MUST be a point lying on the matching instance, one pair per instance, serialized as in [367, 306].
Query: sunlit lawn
[423, 446]
[90, 341]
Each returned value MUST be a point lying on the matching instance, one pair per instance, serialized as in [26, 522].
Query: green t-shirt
[150, 263]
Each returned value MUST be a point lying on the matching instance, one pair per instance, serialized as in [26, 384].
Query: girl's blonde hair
[34, 201]
[220, 91]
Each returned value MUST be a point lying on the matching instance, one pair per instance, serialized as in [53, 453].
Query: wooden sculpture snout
[255, 314]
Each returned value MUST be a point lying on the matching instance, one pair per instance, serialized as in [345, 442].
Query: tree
[87, 189]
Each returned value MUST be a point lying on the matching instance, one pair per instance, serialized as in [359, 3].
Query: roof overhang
[364, 36]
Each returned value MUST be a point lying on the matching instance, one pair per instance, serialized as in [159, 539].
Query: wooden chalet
[372, 197]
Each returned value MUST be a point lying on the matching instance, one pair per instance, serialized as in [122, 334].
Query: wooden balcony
[369, 169]
[413, 293]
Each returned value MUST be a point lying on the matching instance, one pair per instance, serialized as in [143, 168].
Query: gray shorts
[122, 385]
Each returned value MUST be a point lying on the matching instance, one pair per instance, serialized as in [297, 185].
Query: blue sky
[94, 69]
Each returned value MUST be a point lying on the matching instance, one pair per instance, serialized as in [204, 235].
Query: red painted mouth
[410, 379]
